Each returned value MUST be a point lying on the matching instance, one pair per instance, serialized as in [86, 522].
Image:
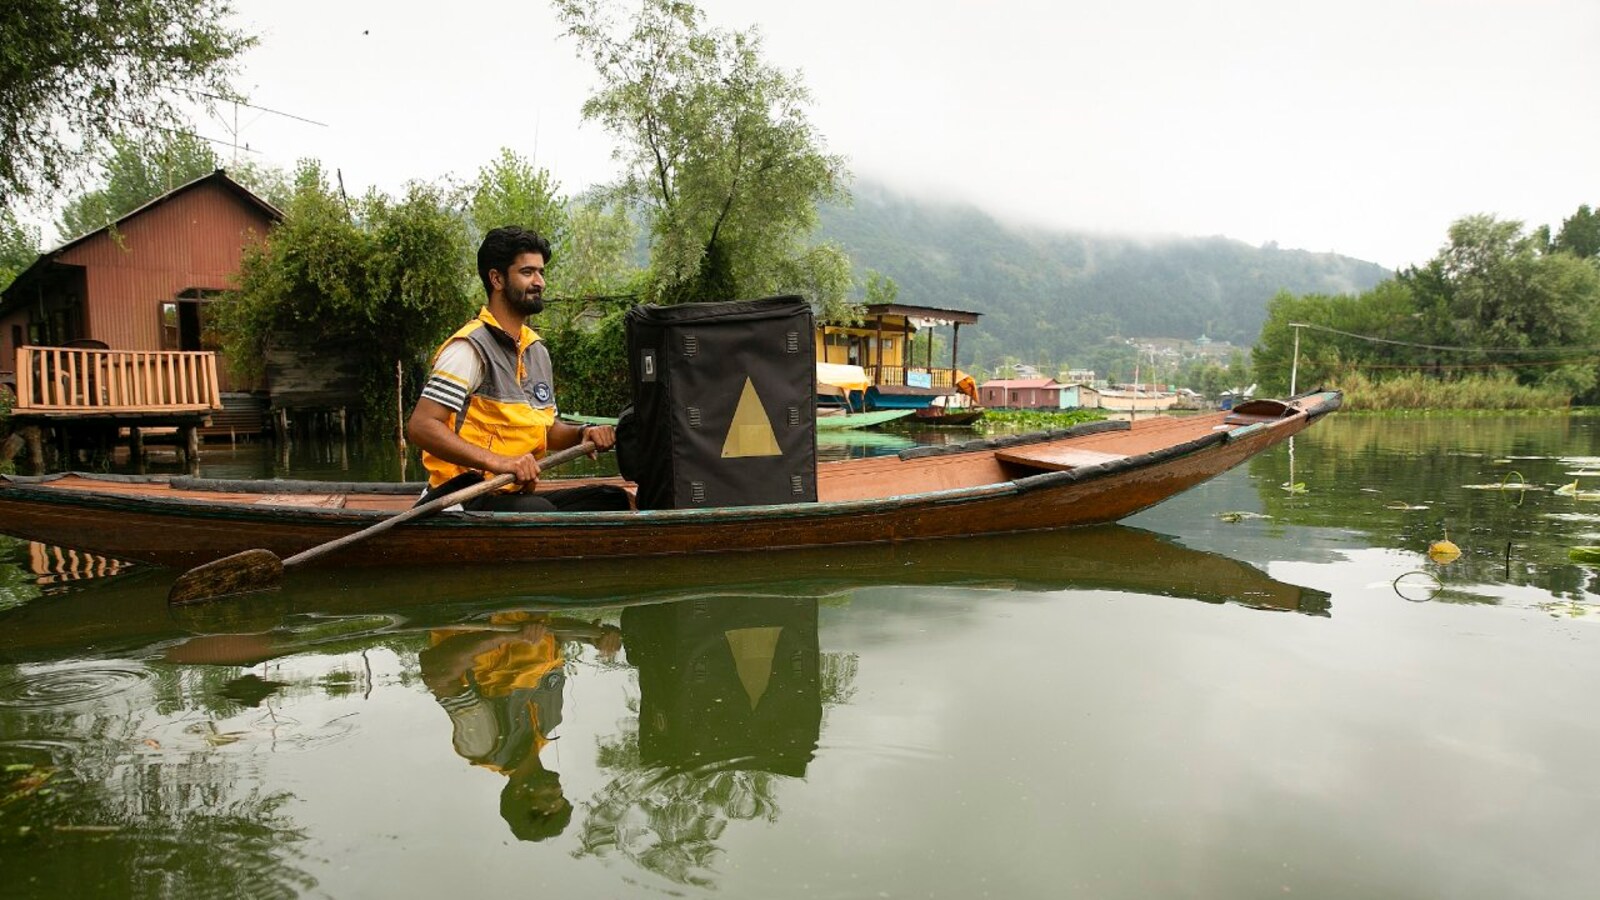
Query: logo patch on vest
[541, 392]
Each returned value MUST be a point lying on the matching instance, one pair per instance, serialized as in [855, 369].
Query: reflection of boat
[1086, 475]
[130, 612]
[857, 444]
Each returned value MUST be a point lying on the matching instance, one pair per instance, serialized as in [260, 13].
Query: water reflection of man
[503, 691]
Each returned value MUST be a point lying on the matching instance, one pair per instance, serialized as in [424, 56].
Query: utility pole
[1294, 369]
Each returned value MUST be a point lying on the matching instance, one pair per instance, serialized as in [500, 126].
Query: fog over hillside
[1047, 294]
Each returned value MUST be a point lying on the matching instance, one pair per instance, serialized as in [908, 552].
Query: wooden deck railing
[896, 375]
[86, 381]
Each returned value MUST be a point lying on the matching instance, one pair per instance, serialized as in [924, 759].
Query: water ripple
[56, 688]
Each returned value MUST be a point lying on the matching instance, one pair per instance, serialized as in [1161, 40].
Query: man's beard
[528, 303]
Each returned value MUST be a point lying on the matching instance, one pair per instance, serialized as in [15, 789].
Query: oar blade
[241, 573]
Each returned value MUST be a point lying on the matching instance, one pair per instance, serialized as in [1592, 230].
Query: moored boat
[1090, 474]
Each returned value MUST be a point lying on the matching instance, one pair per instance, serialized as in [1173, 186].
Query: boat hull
[161, 524]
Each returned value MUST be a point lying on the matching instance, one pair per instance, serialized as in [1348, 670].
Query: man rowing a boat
[489, 402]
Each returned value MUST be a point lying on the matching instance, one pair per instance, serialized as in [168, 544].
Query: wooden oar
[258, 570]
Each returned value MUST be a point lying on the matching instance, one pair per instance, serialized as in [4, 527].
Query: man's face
[523, 284]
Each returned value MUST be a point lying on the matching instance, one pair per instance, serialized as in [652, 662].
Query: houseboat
[895, 374]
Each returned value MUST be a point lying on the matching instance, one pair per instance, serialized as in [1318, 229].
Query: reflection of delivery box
[724, 403]
[727, 679]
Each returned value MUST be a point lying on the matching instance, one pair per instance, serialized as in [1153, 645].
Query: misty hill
[1047, 294]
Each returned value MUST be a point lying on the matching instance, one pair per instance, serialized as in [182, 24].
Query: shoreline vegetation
[1417, 393]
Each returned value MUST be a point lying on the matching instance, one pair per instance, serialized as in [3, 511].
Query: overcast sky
[1358, 127]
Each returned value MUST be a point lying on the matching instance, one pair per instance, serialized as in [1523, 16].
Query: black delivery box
[724, 403]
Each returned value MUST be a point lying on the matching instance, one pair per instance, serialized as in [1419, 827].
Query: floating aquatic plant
[1444, 552]
[1298, 487]
[1589, 556]
[1571, 490]
[1240, 516]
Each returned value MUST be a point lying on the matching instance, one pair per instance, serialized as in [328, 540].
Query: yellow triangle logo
[751, 431]
[752, 657]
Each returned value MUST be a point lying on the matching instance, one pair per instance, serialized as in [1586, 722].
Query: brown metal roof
[220, 177]
[960, 316]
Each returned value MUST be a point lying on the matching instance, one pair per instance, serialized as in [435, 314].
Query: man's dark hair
[502, 246]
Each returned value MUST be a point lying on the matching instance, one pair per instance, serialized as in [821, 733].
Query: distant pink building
[1020, 393]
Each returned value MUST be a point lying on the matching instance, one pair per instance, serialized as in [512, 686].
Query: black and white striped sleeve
[456, 374]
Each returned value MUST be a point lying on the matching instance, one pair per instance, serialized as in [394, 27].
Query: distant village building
[1020, 393]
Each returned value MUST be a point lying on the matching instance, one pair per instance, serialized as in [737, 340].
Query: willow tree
[136, 172]
[73, 74]
[716, 146]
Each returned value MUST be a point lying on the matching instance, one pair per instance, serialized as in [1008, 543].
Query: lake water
[1255, 689]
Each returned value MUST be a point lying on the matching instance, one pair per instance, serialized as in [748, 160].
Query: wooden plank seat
[1055, 459]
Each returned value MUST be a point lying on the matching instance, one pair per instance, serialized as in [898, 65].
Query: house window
[188, 323]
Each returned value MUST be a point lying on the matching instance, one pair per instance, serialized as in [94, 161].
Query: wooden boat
[1086, 475]
[840, 421]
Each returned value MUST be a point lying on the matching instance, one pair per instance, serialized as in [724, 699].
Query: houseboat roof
[957, 316]
[219, 177]
[1009, 383]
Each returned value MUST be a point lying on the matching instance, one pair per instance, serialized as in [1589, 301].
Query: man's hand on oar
[256, 570]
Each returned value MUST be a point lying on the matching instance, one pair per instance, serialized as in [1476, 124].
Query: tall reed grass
[1414, 391]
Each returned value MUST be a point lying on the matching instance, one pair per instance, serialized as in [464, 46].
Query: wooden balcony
[941, 379]
[66, 382]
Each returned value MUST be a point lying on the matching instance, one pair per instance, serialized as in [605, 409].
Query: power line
[1379, 340]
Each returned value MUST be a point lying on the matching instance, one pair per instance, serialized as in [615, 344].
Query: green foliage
[598, 258]
[137, 171]
[1580, 234]
[881, 289]
[75, 74]
[19, 247]
[17, 586]
[8, 401]
[718, 152]
[1497, 320]
[399, 274]
[591, 364]
[510, 191]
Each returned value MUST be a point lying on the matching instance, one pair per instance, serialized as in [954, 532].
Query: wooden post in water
[400, 406]
[33, 435]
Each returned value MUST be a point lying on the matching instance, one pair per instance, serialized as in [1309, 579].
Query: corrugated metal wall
[193, 240]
